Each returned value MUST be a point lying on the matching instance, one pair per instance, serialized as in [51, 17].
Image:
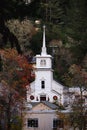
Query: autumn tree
[77, 77]
[15, 75]
[64, 119]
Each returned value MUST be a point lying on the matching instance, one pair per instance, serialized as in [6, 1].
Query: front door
[43, 98]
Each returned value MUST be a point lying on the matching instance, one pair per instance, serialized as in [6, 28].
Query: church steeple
[44, 52]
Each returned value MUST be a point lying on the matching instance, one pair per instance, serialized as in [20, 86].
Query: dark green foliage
[33, 10]
[76, 27]
[52, 11]
[9, 9]
[36, 42]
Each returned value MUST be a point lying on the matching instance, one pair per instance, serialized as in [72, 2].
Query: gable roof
[50, 105]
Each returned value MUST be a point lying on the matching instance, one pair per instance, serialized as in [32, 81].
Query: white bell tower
[44, 77]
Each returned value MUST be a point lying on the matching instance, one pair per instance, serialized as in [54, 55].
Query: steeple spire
[44, 43]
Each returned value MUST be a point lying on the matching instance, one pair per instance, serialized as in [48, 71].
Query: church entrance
[42, 97]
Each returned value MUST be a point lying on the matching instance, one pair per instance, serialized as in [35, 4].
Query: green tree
[53, 11]
[76, 27]
[36, 42]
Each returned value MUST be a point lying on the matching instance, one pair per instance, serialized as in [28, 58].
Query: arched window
[42, 84]
[43, 62]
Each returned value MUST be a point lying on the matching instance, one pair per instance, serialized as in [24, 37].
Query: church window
[55, 123]
[43, 62]
[42, 84]
[32, 122]
[58, 123]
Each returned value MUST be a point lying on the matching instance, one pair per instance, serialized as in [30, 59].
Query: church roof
[50, 105]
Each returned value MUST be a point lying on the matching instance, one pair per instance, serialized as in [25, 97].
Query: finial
[44, 42]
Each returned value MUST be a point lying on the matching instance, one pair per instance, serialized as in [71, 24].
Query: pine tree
[77, 27]
[53, 11]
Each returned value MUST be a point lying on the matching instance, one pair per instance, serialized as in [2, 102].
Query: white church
[41, 112]
[44, 88]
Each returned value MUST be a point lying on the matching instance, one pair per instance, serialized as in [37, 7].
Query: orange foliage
[24, 70]
[16, 68]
